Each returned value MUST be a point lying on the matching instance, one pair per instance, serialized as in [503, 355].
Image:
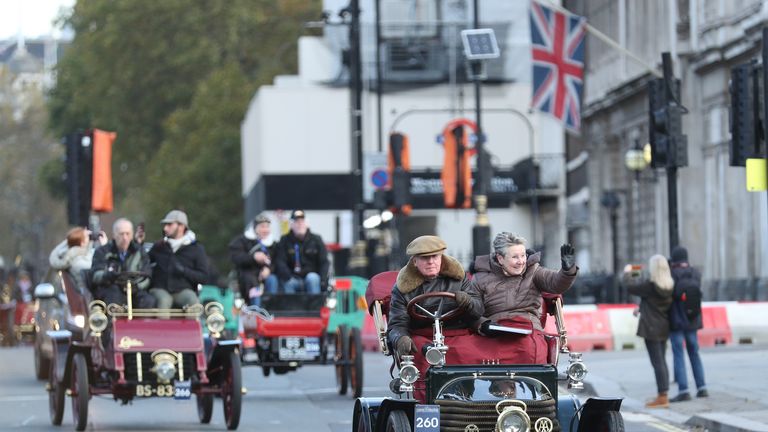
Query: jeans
[270, 287]
[656, 351]
[677, 338]
[310, 284]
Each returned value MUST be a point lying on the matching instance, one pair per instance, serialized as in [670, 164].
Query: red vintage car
[146, 353]
[290, 330]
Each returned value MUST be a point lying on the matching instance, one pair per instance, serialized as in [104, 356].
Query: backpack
[688, 292]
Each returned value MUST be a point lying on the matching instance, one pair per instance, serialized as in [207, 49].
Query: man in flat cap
[429, 270]
[179, 263]
[251, 252]
[301, 260]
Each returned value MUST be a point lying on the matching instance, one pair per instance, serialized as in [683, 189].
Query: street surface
[306, 400]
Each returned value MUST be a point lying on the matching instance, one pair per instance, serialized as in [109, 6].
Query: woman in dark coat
[655, 292]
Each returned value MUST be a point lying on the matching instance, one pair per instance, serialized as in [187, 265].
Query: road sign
[373, 164]
[379, 179]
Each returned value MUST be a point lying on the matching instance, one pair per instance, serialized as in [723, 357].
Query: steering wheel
[133, 276]
[417, 311]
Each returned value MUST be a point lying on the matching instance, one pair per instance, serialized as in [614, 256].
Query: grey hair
[504, 240]
[118, 222]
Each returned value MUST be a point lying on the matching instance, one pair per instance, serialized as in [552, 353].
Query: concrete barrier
[588, 328]
[748, 322]
[717, 328]
[624, 327]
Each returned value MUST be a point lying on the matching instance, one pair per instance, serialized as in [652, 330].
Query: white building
[298, 150]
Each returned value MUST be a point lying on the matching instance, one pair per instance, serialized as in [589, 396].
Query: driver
[429, 271]
[119, 255]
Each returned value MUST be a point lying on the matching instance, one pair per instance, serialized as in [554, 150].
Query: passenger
[510, 284]
[252, 253]
[301, 260]
[119, 255]
[75, 253]
[428, 271]
[179, 263]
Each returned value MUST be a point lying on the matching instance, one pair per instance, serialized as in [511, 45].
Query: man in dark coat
[179, 263]
[301, 260]
[428, 271]
[119, 255]
[252, 253]
[684, 321]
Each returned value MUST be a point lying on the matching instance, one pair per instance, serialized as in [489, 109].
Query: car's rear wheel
[80, 390]
[204, 407]
[611, 421]
[341, 359]
[232, 392]
[42, 364]
[356, 362]
[398, 422]
[55, 395]
[265, 370]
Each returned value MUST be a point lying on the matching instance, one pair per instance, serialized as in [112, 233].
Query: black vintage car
[481, 397]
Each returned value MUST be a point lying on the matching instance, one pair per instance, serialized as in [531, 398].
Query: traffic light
[745, 113]
[102, 200]
[457, 171]
[399, 166]
[78, 151]
[669, 147]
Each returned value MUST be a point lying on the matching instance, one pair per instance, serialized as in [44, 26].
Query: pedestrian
[430, 270]
[251, 253]
[655, 292]
[510, 283]
[685, 321]
[179, 263]
[301, 259]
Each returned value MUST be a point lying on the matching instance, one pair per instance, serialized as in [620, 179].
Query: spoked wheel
[356, 362]
[232, 392]
[42, 364]
[341, 359]
[204, 407]
[55, 395]
[398, 422]
[611, 421]
[80, 391]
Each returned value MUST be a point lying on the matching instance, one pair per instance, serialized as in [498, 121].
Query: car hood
[152, 334]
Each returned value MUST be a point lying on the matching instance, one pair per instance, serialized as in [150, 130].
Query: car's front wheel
[81, 393]
[232, 391]
[398, 422]
[611, 421]
[204, 407]
[55, 395]
[42, 364]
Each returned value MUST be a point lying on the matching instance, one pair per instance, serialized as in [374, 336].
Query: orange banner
[102, 200]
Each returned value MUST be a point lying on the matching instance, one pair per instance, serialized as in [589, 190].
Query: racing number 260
[429, 422]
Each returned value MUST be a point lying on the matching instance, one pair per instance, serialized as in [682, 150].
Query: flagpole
[605, 38]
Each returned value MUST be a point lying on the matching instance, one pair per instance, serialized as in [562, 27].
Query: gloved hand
[177, 269]
[463, 299]
[567, 256]
[405, 346]
[485, 330]
[110, 274]
[529, 252]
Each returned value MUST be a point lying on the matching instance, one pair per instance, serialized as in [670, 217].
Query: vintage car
[291, 330]
[59, 305]
[135, 354]
[489, 396]
[16, 317]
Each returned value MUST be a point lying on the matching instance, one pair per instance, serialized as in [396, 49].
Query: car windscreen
[469, 388]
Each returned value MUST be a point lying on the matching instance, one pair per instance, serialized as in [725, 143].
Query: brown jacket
[508, 297]
[411, 283]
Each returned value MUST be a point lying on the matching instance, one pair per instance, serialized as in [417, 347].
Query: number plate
[152, 390]
[182, 390]
[426, 418]
[298, 348]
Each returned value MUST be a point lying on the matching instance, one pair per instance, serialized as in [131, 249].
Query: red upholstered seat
[380, 289]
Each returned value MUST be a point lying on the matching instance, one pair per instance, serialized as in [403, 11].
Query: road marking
[26, 422]
[666, 427]
[23, 398]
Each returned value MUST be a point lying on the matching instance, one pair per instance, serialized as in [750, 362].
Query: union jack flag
[558, 63]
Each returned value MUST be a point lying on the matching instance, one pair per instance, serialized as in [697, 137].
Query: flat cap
[177, 216]
[426, 245]
[260, 219]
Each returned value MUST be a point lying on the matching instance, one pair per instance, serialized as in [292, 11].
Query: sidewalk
[737, 381]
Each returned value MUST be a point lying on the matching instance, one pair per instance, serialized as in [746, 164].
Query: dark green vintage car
[482, 397]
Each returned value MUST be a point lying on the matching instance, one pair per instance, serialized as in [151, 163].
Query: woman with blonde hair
[655, 292]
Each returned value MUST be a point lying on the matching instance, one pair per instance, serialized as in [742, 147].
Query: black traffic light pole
[481, 231]
[765, 95]
[672, 94]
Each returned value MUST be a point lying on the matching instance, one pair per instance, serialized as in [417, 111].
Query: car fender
[219, 350]
[364, 414]
[388, 405]
[593, 409]
[60, 341]
[568, 406]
